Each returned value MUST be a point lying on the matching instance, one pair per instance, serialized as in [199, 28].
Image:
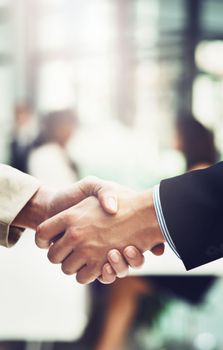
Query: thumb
[108, 201]
[103, 190]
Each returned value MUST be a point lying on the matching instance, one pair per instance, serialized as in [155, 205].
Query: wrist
[34, 212]
[150, 232]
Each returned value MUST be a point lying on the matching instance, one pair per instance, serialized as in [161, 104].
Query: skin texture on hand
[90, 233]
[47, 202]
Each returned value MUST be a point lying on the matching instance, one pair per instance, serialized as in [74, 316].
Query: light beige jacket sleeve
[16, 189]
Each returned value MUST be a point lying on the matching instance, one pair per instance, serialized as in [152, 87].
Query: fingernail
[114, 256]
[109, 270]
[112, 203]
[130, 252]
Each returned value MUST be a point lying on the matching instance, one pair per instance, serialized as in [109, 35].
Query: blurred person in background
[196, 143]
[49, 154]
[50, 163]
[128, 298]
[24, 132]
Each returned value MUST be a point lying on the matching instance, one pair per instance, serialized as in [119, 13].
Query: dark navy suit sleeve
[192, 206]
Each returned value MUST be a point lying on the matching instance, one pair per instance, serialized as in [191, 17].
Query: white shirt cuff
[161, 219]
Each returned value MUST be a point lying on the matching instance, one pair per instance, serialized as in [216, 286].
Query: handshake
[95, 229]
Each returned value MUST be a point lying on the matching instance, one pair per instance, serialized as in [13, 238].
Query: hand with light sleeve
[25, 203]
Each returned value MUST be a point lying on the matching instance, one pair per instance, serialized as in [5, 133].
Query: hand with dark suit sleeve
[190, 210]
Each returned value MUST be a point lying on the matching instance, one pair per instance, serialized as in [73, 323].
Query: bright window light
[209, 57]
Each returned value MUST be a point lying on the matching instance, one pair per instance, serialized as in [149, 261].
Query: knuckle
[90, 185]
[72, 235]
[40, 231]
[90, 181]
[68, 217]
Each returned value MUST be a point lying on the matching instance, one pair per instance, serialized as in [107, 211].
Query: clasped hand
[105, 233]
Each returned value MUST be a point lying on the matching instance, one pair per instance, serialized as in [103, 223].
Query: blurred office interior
[128, 69]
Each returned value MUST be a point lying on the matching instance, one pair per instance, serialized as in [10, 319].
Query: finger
[73, 263]
[88, 273]
[158, 250]
[60, 250]
[118, 263]
[133, 256]
[108, 274]
[49, 229]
